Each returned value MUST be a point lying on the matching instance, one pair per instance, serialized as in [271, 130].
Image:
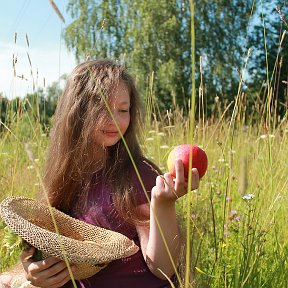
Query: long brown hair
[71, 160]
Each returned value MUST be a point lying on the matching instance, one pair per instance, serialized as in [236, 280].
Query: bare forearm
[162, 254]
[161, 247]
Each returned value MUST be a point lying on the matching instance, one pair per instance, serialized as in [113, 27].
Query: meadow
[235, 222]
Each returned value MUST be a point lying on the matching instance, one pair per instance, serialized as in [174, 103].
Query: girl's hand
[169, 190]
[50, 272]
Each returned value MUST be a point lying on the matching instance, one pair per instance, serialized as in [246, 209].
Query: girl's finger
[158, 188]
[180, 183]
[53, 270]
[169, 186]
[179, 169]
[27, 254]
[195, 179]
[42, 265]
[51, 277]
[168, 180]
[160, 182]
[59, 279]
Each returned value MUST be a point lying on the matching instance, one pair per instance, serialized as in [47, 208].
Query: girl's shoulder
[145, 176]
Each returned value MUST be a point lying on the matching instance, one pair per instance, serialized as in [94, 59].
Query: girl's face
[119, 104]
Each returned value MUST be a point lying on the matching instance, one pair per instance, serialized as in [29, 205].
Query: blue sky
[48, 54]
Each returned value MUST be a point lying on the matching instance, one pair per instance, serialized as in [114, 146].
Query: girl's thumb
[27, 253]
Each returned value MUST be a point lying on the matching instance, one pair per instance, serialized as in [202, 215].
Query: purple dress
[127, 272]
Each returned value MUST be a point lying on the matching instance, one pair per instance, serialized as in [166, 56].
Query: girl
[89, 175]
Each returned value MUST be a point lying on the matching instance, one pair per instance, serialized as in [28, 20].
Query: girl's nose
[110, 118]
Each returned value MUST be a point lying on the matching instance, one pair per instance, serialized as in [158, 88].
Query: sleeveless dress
[130, 272]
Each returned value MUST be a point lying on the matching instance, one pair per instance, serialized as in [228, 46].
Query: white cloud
[48, 63]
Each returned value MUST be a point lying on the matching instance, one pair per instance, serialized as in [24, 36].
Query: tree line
[153, 38]
[38, 106]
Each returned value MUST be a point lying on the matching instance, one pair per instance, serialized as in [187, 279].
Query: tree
[97, 28]
[153, 36]
[275, 70]
[42, 104]
[3, 108]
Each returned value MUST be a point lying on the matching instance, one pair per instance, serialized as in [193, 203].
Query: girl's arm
[162, 209]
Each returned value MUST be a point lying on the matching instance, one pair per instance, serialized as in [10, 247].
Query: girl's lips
[110, 133]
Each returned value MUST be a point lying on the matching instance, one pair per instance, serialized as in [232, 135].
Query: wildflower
[234, 216]
[161, 134]
[248, 197]
[30, 167]
[214, 168]
[149, 139]
[264, 136]
[193, 216]
[233, 212]
[164, 147]
[237, 218]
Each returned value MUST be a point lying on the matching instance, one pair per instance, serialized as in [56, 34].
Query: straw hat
[89, 247]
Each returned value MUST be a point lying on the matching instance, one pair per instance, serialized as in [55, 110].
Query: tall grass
[238, 215]
[236, 220]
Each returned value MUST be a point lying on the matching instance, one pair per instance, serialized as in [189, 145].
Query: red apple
[199, 159]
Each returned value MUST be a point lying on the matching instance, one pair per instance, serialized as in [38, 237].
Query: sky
[45, 47]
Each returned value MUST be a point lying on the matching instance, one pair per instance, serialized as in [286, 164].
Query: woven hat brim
[81, 242]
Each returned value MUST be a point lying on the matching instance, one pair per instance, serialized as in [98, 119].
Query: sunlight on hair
[141, 182]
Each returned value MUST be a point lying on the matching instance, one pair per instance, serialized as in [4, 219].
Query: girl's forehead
[120, 94]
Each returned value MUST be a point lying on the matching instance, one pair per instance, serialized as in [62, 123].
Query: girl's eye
[123, 111]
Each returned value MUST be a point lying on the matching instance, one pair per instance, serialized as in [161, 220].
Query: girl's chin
[107, 139]
[110, 143]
